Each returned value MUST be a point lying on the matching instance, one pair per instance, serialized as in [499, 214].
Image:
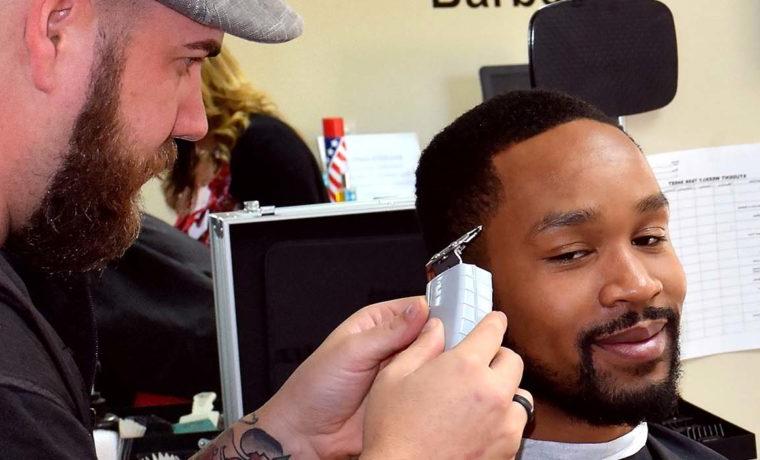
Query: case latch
[253, 207]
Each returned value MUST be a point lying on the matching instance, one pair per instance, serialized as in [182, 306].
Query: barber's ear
[54, 30]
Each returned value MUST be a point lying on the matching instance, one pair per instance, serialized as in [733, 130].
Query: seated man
[576, 237]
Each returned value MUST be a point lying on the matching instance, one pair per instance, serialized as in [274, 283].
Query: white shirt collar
[619, 448]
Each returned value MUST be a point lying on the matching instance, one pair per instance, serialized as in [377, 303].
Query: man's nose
[191, 123]
[628, 280]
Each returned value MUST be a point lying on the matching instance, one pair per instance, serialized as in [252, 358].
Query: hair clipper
[458, 293]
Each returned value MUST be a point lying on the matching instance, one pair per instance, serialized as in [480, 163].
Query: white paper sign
[714, 196]
[380, 165]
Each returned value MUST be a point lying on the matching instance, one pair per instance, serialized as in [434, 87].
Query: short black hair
[457, 186]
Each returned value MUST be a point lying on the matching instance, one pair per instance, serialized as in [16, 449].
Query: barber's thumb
[428, 345]
[387, 339]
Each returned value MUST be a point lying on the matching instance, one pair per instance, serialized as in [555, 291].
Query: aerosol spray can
[336, 160]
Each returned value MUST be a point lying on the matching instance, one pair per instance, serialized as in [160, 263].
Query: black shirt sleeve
[272, 164]
[33, 426]
[44, 404]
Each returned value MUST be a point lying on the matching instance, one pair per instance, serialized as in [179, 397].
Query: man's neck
[552, 424]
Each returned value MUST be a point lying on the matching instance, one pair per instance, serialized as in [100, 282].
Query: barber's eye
[648, 240]
[568, 257]
[190, 61]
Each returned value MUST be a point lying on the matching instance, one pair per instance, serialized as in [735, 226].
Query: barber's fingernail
[428, 325]
[410, 312]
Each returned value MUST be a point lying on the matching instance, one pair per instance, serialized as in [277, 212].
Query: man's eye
[648, 240]
[190, 61]
[568, 257]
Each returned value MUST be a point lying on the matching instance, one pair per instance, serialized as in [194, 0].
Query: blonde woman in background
[248, 154]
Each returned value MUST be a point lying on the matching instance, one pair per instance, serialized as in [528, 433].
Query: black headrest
[619, 55]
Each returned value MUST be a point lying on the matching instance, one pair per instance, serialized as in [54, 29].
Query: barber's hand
[322, 404]
[452, 405]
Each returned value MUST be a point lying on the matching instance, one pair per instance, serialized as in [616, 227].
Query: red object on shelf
[152, 400]
[332, 127]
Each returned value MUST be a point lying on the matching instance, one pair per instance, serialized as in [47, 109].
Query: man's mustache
[159, 162]
[166, 156]
[627, 320]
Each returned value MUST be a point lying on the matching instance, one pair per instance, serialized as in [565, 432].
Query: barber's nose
[628, 281]
[191, 123]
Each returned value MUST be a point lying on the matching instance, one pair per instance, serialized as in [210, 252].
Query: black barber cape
[665, 444]
[154, 309]
[44, 402]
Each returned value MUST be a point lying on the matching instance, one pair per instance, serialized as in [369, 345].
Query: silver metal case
[227, 321]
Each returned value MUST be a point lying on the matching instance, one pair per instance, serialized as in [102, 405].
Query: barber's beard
[597, 398]
[90, 213]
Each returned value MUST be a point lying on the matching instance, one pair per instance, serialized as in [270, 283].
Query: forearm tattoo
[254, 444]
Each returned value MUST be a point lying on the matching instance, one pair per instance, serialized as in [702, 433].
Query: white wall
[400, 65]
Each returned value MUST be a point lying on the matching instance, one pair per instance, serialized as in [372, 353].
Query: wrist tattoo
[254, 444]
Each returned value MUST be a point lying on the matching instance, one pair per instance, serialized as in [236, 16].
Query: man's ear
[51, 26]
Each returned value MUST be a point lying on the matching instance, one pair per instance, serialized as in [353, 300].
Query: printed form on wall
[714, 196]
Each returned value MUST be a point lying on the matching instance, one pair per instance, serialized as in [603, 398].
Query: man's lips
[643, 342]
[637, 333]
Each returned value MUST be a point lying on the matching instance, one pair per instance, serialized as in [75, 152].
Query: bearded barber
[94, 91]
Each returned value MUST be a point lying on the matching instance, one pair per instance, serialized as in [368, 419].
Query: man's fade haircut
[457, 185]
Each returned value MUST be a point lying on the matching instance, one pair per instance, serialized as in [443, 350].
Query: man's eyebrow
[652, 203]
[564, 219]
[211, 47]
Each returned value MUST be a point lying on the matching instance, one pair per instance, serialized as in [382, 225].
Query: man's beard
[90, 214]
[597, 398]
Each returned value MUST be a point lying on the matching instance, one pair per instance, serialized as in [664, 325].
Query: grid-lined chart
[714, 198]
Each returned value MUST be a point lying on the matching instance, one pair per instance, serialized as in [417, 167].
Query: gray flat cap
[265, 21]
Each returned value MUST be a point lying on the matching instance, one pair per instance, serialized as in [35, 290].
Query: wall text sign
[488, 3]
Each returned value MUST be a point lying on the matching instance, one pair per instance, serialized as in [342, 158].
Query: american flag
[337, 165]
